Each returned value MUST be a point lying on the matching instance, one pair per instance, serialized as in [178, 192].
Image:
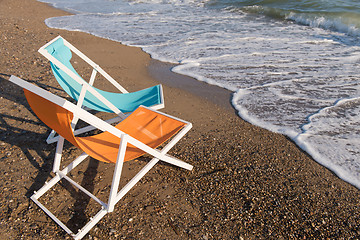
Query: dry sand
[247, 183]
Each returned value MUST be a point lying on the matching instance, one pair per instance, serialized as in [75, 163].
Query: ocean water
[293, 65]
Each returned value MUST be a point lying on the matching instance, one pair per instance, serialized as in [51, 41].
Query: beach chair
[140, 132]
[59, 53]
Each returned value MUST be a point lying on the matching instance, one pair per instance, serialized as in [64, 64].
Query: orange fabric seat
[147, 126]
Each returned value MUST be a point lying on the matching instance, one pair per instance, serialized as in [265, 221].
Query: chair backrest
[126, 102]
[145, 125]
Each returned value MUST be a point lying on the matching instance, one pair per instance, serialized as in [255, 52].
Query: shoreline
[217, 95]
[247, 182]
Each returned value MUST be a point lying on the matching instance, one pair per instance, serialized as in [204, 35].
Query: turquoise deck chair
[59, 53]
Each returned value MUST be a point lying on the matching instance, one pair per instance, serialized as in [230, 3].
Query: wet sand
[247, 183]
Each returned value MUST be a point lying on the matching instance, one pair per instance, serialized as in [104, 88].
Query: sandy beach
[247, 182]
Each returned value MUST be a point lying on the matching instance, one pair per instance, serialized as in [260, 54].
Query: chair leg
[83, 231]
[48, 185]
[117, 173]
[58, 154]
[50, 138]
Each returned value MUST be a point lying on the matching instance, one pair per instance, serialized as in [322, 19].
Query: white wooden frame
[88, 86]
[115, 194]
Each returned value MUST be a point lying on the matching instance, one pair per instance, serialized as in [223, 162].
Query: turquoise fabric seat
[125, 102]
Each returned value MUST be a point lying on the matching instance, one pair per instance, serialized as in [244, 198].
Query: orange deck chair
[141, 132]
